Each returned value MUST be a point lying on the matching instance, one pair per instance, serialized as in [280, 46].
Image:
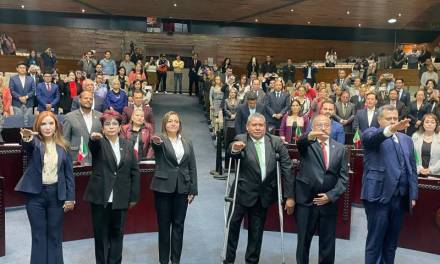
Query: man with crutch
[257, 185]
[321, 180]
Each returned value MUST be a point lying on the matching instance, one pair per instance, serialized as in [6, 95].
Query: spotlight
[392, 20]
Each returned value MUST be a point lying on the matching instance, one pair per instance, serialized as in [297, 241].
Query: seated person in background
[139, 133]
[79, 124]
[116, 98]
[367, 117]
[98, 102]
[345, 112]
[426, 146]
[22, 89]
[48, 95]
[5, 101]
[293, 124]
[138, 103]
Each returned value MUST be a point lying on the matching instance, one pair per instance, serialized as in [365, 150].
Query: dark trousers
[171, 213]
[161, 81]
[308, 219]
[257, 217]
[45, 213]
[384, 223]
[178, 82]
[193, 80]
[108, 230]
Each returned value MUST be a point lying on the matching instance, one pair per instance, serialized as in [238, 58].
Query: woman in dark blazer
[49, 187]
[417, 109]
[113, 187]
[140, 132]
[68, 90]
[293, 124]
[174, 185]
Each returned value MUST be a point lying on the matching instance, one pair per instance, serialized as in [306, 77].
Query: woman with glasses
[113, 187]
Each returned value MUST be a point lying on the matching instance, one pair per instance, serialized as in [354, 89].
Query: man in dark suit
[22, 89]
[277, 104]
[322, 179]
[343, 81]
[256, 88]
[244, 110]
[337, 130]
[389, 184]
[289, 72]
[113, 187]
[79, 124]
[366, 118]
[98, 101]
[345, 112]
[399, 105]
[138, 100]
[309, 73]
[359, 99]
[257, 184]
[194, 67]
[404, 95]
[48, 94]
[268, 66]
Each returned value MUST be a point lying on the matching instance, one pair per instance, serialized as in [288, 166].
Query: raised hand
[95, 136]
[238, 146]
[27, 133]
[156, 140]
[401, 125]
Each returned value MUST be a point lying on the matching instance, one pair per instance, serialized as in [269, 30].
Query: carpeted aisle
[203, 237]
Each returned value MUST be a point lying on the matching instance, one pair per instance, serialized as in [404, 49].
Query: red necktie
[324, 154]
[48, 87]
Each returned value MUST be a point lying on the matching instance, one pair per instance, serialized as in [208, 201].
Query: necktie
[259, 155]
[278, 95]
[324, 154]
[48, 87]
[343, 110]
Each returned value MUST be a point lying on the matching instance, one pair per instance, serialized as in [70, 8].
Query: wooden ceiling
[410, 14]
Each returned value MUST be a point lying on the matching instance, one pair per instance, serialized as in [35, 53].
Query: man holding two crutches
[256, 188]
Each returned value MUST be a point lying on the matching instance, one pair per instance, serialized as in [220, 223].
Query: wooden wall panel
[72, 42]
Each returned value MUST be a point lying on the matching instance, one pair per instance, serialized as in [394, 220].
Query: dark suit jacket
[313, 73]
[194, 68]
[18, 90]
[405, 97]
[401, 109]
[47, 97]
[314, 178]
[74, 127]
[361, 120]
[276, 105]
[169, 175]
[381, 173]
[98, 103]
[358, 102]
[268, 68]
[250, 185]
[148, 115]
[243, 114]
[107, 176]
[350, 111]
[32, 179]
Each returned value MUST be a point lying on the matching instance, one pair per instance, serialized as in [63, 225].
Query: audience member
[194, 67]
[216, 96]
[225, 65]
[139, 133]
[97, 102]
[426, 141]
[136, 72]
[293, 124]
[87, 64]
[123, 79]
[108, 64]
[98, 70]
[416, 110]
[252, 66]
[178, 66]
[331, 58]
[100, 87]
[138, 103]
[399, 58]
[343, 81]
[345, 112]
[7, 45]
[113, 187]
[5, 101]
[289, 72]
[163, 64]
[268, 66]
[116, 99]
[127, 63]
[394, 101]
[277, 105]
[242, 88]
[32, 59]
[413, 58]
[250, 106]
[404, 95]
[256, 89]
[22, 89]
[359, 99]
[367, 117]
[136, 54]
[430, 74]
[48, 95]
[309, 73]
[49, 187]
[49, 60]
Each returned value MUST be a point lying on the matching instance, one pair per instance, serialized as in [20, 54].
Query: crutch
[229, 201]
[280, 207]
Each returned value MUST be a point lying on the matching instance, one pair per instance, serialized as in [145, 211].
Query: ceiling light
[359, 25]
[171, 17]
[22, 6]
[291, 10]
[175, 4]
[256, 20]
[348, 12]
[83, 10]
[400, 14]
[308, 22]
[392, 20]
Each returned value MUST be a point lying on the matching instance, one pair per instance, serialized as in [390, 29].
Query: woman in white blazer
[427, 146]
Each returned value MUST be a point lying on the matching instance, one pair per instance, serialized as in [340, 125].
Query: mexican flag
[357, 139]
[83, 151]
[298, 133]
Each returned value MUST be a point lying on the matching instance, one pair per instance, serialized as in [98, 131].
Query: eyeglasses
[322, 125]
[108, 123]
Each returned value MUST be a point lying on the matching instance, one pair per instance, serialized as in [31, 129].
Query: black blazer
[250, 185]
[243, 114]
[361, 120]
[405, 98]
[123, 179]
[314, 178]
[276, 105]
[169, 174]
[194, 68]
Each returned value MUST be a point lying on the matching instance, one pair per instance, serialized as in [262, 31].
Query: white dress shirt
[88, 118]
[370, 114]
[22, 79]
[309, 72]
[178, 148]
[263, 158]
[117, 152]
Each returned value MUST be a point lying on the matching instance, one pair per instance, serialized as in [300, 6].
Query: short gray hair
[382, 109]
[255, 115]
